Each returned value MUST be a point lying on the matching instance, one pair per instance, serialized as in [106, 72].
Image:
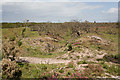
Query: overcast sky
[60, 0]
[20, 10]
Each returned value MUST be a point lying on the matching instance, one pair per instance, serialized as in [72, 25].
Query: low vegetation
[89, 50]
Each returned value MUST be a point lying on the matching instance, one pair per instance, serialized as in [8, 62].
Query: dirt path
[36, 60]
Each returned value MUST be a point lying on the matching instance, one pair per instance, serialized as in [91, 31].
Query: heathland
[60, 50]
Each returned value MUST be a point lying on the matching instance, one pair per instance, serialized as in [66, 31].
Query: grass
[111, 68]
[68, 36]
[112, 58]
[37, 70]
[94, 70]
[114, 70]
[82, 62]
[38, 53]
[14, 32]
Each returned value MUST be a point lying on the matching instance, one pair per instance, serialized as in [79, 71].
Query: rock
[47, 47]
[95, 37]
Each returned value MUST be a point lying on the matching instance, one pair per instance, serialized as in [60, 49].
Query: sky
[60, 0]
[56, 11]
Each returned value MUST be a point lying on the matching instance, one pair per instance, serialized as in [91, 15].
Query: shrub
[76, 75]
[10, 69]
[23, 32]
[50, 54]
[19, 43]
[10, 50]
[82, 62]
[12, 38]
[78, 57]
[44, 67]
[94, 70]
[105, 66]
[70, 65]
[112, 58]
[28, 49]
[69, 47]
[61, 71]
[68, 73]
[99, 59]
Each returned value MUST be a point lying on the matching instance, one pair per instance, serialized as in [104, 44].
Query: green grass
[38, 53]
[114, 70]
[14, 32]
[82, 62]
[29, 33]
[68, 35]
[37, 70]
[111, 68]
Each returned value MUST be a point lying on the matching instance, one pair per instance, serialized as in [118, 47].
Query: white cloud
[36, 0]
[60, 0]
[0, 10]
[111, 10]
[46, 11]
[108, 0]
[59, 9]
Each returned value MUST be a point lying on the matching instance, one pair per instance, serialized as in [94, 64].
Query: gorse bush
[70, 65]
[68, 73]
[61, 71]
[10, 69]
[82, 62]
[12, 38]
[69, 47]
[10, 54]
[10, 48]
[105, 65]
[112, 58]
[23, 32]
[28, 49]
[44, 67]
[19, 43]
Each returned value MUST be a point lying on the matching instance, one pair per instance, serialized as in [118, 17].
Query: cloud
[111, 10]
[0, 11]
[53, 11]
[48, 9]
[37, 0]
[108, 0]
[60, 0]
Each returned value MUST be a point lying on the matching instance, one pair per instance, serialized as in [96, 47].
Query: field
[61, 50]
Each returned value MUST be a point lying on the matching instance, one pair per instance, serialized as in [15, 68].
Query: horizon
[58, 22]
